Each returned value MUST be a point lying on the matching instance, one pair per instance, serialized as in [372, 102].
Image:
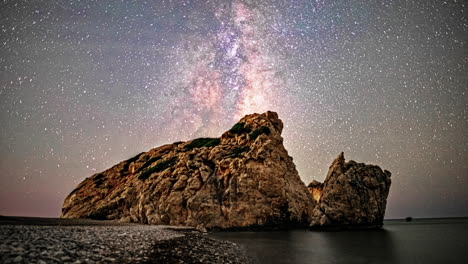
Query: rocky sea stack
[244, 179]
[354, 195]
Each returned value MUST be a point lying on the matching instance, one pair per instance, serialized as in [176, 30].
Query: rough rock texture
[315, 189]
[353, 195]
[243, 179]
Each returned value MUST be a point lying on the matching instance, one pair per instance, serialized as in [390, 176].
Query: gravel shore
[193, 248]
[39, 240]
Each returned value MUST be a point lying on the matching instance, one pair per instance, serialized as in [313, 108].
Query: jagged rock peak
[337, 166]
[353, 195]
[243, 179]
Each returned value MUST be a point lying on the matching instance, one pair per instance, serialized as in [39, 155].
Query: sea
[419, 241]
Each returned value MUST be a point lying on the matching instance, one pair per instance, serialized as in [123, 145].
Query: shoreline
[57, 240]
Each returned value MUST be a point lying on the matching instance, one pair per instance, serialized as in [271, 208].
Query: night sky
[86, 84]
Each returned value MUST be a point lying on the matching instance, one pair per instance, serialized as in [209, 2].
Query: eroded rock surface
[353, 195]
[243, 179]
[315, 189]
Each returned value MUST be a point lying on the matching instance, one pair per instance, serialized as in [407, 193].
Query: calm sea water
[421, 241]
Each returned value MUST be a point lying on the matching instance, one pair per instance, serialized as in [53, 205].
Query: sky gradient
[86, 84]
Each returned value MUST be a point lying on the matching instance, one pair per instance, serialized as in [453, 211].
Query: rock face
[353, 195]
[315, 189]
[243, 179]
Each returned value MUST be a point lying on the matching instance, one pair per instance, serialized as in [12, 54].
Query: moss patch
[262, 130]
[162, 165]
[203, 142]
[240, 128]
[148, 162]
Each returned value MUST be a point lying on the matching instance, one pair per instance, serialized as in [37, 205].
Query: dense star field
[86, 84]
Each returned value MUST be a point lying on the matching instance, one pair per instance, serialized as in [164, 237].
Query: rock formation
[353, 195]
[243, 179]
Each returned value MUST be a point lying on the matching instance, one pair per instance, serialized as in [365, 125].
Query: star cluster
[86, 84]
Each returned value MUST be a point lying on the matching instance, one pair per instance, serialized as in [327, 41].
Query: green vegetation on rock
[162, 165]
[262, 130]
[203, 142]
[240, 128]
[149, 162]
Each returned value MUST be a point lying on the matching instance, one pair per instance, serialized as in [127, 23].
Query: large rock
[243, 179]
[353, 195]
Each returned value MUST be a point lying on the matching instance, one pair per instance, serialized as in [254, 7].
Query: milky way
[86, 84]
[227, 73]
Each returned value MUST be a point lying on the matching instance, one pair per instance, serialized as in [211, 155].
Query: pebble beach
[41, 240]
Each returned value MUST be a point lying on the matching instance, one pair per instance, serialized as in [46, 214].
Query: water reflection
[421, 241]
[371, 246]
[302, 246]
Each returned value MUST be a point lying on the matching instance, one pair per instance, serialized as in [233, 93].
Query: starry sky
[86, 84]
